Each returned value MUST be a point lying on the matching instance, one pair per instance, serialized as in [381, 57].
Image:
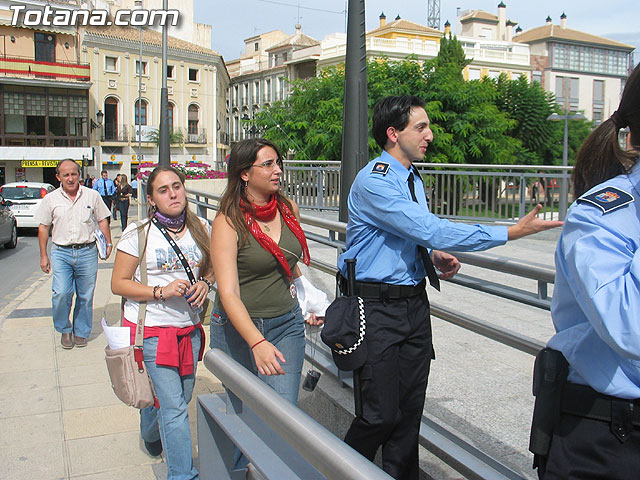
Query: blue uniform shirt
[596, 298]
[385, 226]
[99, 185]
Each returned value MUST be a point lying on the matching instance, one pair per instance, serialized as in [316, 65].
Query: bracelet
[258, 343]
[109, 244]
[154, 291]
[209, 284]
[161, 296]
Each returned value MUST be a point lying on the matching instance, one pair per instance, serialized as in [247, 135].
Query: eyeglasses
[269, 164]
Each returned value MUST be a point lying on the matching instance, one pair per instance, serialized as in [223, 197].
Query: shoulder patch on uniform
[608, 199]
[381, 168]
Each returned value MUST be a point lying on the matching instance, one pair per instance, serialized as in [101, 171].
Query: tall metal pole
[564, 184]
[355, 150]
[164, 149]
[140, 100]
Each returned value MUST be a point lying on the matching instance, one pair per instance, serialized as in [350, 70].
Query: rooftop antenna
[433, 14]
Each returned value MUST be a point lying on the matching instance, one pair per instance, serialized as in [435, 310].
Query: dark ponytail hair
[600, 157]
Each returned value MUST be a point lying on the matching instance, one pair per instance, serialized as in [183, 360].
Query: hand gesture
[268, 359]
[177, 288]
[45, 265]
[446, 263]
[312, 319]
[530, 224]
[197, 294]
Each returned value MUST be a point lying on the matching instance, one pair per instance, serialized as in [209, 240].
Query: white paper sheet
[117, 337]
[101, 242]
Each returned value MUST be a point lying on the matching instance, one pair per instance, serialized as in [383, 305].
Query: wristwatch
[109, 244]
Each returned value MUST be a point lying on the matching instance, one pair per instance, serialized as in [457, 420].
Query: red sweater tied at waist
[174, 345]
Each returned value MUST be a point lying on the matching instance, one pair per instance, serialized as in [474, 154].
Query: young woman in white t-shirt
[172, 312]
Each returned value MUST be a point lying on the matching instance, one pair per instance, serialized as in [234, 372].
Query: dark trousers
[394, 381]
[585, 449]
[108, 200]
[123, 208]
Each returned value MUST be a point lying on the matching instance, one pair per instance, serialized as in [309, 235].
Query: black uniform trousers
[586, 449]
[394, 381]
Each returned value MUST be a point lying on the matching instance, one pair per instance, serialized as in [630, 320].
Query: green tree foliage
[530, 106]
[480, 121]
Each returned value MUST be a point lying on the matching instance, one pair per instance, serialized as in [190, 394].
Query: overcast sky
[236, 20]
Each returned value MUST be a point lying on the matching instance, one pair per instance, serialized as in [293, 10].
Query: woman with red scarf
[256, 244]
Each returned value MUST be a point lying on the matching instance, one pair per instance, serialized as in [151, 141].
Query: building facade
[263, 75]
[44, 97]
[126, 94]
[585, 72]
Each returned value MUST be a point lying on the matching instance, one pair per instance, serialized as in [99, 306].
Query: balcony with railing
[198, 137]
[112, 132]
[26, 67]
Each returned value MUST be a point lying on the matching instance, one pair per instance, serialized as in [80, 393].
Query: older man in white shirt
[74, 211]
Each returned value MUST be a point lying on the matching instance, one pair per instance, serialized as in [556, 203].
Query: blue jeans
[74, 271]
[286, 332]
[170, 422]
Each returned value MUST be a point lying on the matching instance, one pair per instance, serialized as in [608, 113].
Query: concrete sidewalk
[58, 414]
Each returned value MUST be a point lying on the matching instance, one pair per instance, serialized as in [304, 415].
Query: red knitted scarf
[266, 213]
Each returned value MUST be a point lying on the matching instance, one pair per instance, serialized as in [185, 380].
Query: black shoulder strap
[176, 248]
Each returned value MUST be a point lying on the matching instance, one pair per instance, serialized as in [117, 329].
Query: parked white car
[8, 227]
[25, 199]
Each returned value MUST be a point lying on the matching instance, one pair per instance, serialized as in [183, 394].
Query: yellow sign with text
[40, 163]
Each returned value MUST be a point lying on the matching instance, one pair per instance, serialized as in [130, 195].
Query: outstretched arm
[530, 224]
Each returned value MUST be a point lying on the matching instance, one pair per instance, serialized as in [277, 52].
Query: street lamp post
[250, 131]
[138, 4]
[164, 148]
[564, 182]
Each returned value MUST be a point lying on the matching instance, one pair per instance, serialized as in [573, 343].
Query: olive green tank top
[264, 286]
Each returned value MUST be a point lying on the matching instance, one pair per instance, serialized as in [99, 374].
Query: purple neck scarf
[172, 222]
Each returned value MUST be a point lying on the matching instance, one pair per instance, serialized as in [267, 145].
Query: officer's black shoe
[154, 448]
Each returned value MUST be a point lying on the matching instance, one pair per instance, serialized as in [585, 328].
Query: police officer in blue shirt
[106, 188]
[596, 308]
[389, 231]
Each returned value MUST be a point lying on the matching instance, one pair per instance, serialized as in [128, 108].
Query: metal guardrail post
[523, 197]
[326, 452]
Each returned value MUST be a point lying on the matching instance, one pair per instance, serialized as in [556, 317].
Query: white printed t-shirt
[163, 267]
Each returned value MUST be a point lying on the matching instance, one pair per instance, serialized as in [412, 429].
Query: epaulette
[380, 167]
[608, 199]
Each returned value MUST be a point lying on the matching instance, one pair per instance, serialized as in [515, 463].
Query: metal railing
[454, 450]
[280, 440]
[461, 191]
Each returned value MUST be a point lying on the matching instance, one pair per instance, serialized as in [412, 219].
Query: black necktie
[105, 187]
[426, 259]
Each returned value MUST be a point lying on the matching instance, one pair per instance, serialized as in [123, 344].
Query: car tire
[14, 237]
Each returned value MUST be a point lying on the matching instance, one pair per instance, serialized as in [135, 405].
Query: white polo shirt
[73, 220]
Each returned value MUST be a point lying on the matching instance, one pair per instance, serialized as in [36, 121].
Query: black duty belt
[584, 401]
[384, 291]
[76, 246]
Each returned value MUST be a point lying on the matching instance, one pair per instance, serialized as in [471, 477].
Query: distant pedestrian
[123, 194]
[115, 207]
[106, 188]
[134, 186]
[88, 182]
[73, 210]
